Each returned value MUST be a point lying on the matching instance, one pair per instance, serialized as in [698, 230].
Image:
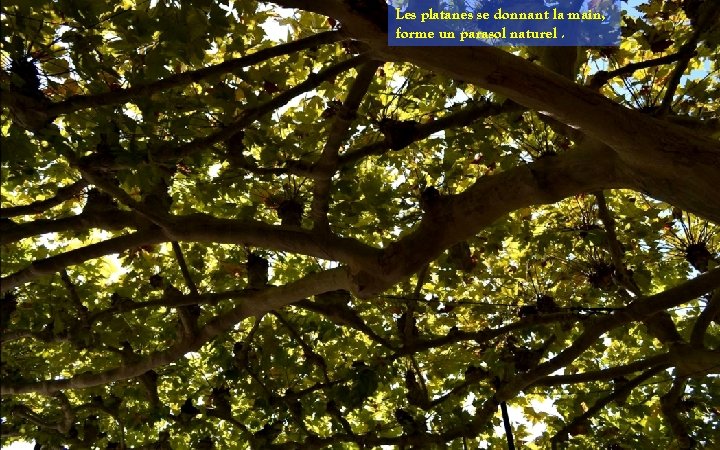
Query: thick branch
[657, 152]
[339, 131]
[693, 361]
[54, 264]
[256, 303]
[455, 218]
[202, 228]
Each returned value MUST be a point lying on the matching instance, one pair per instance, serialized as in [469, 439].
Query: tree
[211, 239]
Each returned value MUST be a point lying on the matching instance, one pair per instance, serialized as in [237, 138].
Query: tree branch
[709, 18]
[458, 217]
[80, 308]
[636, 311]
[614, 245]
[710, 313]
[116, 220]
[460, 118]
[507, 425]
[327, 164]
[602, 77]
[621, 392]
[256, 303]
[79, 102]
[63, 194]
[164, 153]
[202, 228]
[669, 404]
[184, 269]
[482, 336]
[679, 154]
[310, 355]
[605, 374]
[54, 264]
[343, 316]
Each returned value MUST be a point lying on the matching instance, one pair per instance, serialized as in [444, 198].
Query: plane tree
[234, 225]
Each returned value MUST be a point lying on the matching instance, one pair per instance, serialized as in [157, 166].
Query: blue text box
[504, 22]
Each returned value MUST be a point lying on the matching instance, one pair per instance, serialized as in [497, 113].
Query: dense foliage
[228, 225]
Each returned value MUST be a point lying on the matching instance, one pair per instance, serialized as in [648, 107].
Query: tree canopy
[229, 225]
